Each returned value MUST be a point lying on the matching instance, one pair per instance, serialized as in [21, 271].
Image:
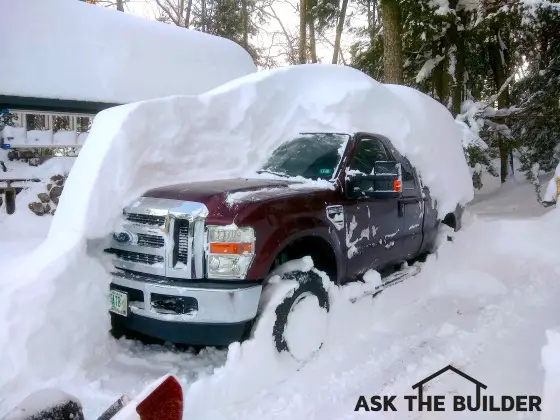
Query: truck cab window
[368, 151]
[409, 183]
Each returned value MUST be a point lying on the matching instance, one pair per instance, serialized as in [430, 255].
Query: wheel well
[322, 253]
[450, 221]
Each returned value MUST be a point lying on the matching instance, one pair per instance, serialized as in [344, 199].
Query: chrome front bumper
[217, 303]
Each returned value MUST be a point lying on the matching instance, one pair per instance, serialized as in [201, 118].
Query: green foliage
[8, 120]
[538, 93]
[467, 52]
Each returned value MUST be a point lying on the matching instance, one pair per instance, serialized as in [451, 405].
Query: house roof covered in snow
[71, 50]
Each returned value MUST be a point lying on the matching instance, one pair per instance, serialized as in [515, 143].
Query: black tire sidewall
[309, 282]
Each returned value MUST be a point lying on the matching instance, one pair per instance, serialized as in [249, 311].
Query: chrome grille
[183, 242]
[167, 238]
[146, 219]
[151, 241]
[137, 257]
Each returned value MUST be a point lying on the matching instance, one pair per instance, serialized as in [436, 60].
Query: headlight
[230, 251]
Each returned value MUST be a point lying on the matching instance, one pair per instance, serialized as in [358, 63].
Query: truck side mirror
[385, 182]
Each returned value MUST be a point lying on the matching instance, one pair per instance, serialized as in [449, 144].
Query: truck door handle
[406, 200]
[409, 200]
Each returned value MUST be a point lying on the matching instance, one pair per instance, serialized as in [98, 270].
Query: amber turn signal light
[236, 249]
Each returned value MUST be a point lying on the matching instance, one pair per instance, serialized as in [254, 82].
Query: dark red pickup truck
[191, 260]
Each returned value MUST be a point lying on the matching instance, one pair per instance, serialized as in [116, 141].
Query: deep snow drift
[484, 309]
[91, 53]
[226, 132]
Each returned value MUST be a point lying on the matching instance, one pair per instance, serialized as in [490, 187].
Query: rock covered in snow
[47, 404]
[50, 198]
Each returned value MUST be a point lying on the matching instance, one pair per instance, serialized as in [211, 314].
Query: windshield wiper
[260, 171]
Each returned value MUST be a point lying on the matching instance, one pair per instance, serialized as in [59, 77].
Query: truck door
[372, 225]
[411, 210]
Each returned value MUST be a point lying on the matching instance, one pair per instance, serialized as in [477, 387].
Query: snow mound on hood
[90, 53]
[231, 130]
[220, 134]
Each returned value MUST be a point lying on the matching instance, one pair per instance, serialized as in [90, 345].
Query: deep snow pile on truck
[226, 133]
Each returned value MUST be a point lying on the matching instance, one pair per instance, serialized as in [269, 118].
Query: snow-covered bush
[552, 190]
[479, 156]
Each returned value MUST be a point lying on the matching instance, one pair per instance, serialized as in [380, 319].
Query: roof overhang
[52, 105]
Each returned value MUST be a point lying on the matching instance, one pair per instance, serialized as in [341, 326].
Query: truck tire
[116, 330]
[301, 317]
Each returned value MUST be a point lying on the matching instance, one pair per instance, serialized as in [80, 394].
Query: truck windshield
[312, 156]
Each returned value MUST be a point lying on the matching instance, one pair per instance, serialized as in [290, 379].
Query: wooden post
[10, 194]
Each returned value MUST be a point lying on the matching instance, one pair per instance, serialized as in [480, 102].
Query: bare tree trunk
[302, 32]
[180, 12]
[498, 63]
[245, 16]
[369, 17]
[188, 14]
[437, 74]
[203, 17]
[392, 42]
[339, 27]
[312, 40]
[120, 6]
[456, 45]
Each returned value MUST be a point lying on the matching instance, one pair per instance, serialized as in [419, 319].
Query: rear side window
[368, 151]
[409, 182]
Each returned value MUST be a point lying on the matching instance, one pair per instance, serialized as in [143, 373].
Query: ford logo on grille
[122, 237]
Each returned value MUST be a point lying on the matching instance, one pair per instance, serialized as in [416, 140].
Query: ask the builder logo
[478, 402]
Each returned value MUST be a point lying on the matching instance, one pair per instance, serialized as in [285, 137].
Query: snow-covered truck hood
[227, 198]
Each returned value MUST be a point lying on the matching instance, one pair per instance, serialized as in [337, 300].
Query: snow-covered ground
[482, 304]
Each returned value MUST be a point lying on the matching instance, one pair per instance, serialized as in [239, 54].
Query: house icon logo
[422, 401]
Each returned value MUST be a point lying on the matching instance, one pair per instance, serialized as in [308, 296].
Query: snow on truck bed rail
[67, 49]
[227, 132]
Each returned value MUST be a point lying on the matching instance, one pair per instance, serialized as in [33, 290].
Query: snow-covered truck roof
[71, 50]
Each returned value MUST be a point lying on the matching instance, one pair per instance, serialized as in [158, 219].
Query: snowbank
[551, 192]
[56, 165]
[223, 133]
[551, 361]
[68, 49]
[408, 332]
[231, 130]
[434, 146]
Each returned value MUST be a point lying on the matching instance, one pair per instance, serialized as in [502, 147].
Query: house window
[61, 123]
[37, 122]
[83, 124]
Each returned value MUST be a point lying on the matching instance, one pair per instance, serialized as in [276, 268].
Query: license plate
[119, 302]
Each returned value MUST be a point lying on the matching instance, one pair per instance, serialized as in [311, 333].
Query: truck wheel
[117, 331]
[301, 317]
[444, 234]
